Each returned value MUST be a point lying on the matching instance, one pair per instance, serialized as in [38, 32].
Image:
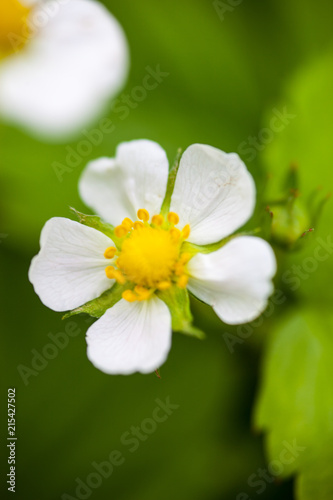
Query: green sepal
[96, 223]
[292, 178]
[317, 210]
[97, 307]
[290, 221]
[178, 302]
[193, 249]
[171, 184]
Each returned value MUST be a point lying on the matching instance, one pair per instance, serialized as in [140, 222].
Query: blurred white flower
[151, 260]
[60, 63]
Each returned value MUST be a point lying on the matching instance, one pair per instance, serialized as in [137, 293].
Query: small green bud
[289, 222]
[288, 219]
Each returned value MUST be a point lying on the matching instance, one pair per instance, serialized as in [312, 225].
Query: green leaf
[178, 302]
[295, 403]
[316, 480]
[97, 307]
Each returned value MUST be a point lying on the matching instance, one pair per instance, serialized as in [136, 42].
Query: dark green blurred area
[225, 79]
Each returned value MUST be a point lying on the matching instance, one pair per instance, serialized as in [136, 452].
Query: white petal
[136, 178]
[131, 337]
[236, 279]
[70, 267]
[63, 78]
[214, 193]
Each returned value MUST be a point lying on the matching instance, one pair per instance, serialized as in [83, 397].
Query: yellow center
[150, 257]
[13, 24]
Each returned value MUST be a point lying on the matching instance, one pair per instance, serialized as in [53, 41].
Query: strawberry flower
[167, 234]
[60, 62]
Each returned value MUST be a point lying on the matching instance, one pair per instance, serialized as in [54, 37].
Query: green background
[227, 73]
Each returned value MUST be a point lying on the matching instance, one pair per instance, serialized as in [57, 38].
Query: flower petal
[70, 267]
[236, 279]
[214, 193]
[131, 337]
[136, 178]
[76, 60]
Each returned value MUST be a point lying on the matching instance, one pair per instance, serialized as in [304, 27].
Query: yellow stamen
[120, 231]
[186, 231]
[109, 271]
[185, 257]
[157, 220]
[138, 224]
[175, 234]
[142, 292]
[143, 214]
[119, 277]
[129, 296]
[183, 280]
[163, 285]
[173, 218]
[127, 223]
[110, 252]
[114, 274]
[179, 269]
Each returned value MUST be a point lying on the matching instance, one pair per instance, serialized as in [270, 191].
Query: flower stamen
[185, 257]
[127, 223]
[129, 295]
[121, 231]
[110, 252]
[163, 285]
[173, 218]
[157, 220]
[175, 234]
[114, 274]
[138, 225]
[186, 232]
[150, 257]
[143, 214]
[183, 280]
[142, 292]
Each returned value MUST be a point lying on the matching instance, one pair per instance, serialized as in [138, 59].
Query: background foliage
[229, 70]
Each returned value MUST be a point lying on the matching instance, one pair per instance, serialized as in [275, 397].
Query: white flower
[60, 62]
[153, 260]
